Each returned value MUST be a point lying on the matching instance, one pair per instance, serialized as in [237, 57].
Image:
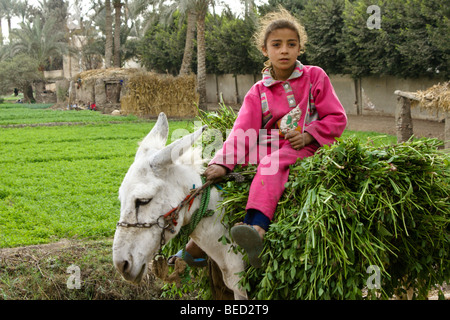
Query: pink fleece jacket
[269, 100]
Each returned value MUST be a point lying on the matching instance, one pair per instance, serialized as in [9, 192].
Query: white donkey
[157, 182]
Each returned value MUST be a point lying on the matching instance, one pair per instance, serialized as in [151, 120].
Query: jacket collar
[268, 80]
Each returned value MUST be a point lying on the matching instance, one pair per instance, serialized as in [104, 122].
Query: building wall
[366, 96]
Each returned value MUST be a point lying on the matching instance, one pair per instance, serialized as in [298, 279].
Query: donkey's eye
[142, 202]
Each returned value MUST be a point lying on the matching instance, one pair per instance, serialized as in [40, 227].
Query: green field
[62, 181]
[17, 114]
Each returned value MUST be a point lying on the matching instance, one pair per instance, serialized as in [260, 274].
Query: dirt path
[384, 124]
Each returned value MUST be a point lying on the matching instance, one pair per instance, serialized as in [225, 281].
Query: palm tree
[117, 13]
[189, 45]
[39, 40]
[7, 11]
[108, 34]
[202, 9]
[22, 10]
[196, 11]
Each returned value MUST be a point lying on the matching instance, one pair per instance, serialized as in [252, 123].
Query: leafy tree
[162, 48]
[426, 48]
[323, 23]
[411, 41]
[56, 12]
[92, 46]
[186, 9]
[19, 72]
[23, 10]
[235, 52]
[295, 7]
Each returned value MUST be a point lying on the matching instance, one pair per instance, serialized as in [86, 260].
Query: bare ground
[386, 124]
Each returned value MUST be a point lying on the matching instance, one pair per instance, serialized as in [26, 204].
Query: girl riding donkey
[295, 106]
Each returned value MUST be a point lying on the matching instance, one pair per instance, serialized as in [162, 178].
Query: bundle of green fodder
[349, 212]
[148, 94]
[353, 217]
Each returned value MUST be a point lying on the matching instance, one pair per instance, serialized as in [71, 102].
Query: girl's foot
[194, 254]
[251, 240]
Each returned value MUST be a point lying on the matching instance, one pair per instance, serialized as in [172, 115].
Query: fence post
[403, 120]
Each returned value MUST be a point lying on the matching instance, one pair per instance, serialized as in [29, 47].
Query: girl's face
[282, 48]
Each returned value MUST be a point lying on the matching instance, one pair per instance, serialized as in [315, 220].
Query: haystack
[436, 98]
[111, 73]
[148, 94]
[135, 91]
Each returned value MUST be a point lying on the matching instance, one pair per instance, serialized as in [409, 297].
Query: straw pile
[435, 98]
[148, 94]
[111, 73]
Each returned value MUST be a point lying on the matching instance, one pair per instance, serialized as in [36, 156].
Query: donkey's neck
[214, 198]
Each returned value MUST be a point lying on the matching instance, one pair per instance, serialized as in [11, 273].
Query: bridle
[169, 219]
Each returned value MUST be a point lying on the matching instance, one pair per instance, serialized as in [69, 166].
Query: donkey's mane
[192, 158]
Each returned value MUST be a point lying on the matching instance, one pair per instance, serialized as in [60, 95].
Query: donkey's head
[155, 183]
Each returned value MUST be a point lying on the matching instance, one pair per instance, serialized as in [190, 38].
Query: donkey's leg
[231, 278]
[206, 236]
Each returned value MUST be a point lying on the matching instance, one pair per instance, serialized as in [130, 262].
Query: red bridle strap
[173, 213]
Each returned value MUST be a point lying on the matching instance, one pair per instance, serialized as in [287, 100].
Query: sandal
[190, 260]
[249, 239]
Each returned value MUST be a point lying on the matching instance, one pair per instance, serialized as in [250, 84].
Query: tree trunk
[9, 29]
[39, 88]
[1, 33]
[189, 45]
[28, 94]
[117, 13]
[109, 36]
[201, 58]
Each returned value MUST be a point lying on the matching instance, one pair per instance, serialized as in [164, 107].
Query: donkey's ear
[173, 151]
[157, 137]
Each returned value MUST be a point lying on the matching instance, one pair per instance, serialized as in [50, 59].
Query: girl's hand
[214, 172]
[298, 140]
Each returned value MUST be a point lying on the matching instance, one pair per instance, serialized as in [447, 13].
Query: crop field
[62, 181]
[25, 114]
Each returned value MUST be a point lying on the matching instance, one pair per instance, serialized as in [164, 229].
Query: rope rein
[198, 215]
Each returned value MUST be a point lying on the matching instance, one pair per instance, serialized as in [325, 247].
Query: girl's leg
[271, 176]
[265, 192]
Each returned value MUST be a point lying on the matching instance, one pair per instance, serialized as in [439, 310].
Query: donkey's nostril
[123, 266]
